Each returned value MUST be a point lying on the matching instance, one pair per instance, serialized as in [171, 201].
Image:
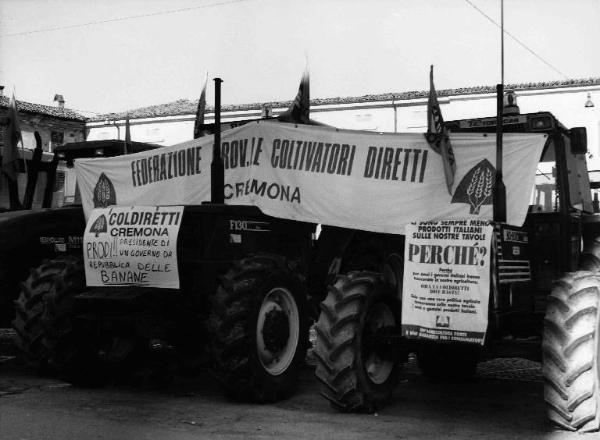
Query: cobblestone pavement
[511, 369]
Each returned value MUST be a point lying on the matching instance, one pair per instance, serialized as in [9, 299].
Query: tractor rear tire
[72, 351]
[357, 370]
[448, 362]
[590, 256]
[258, 327]
[570, 350]
[30, 307]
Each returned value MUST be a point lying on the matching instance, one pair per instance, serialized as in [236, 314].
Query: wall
[566, 103]
[72, 131]
[411, 116]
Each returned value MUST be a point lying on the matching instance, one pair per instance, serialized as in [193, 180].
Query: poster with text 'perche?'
[447, 280]
[132, 246]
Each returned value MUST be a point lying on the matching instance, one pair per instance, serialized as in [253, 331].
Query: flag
[437, 134]
[12, 136]
[128, 148]
[200, 110]
[299, 111]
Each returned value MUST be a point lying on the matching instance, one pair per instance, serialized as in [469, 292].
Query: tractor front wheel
[357, 367]
[259, 329]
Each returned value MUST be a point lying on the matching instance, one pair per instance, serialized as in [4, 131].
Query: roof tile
[57, 112]
[187, 107]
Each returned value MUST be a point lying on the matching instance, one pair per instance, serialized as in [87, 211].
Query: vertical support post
[33, 172]
[13, 186]
[499, 188]
[13, 194]
[50, 179]
[217, 181]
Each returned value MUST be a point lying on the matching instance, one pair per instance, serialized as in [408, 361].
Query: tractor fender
[341, 250]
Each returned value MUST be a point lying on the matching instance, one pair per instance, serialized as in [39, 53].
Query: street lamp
[589, 103]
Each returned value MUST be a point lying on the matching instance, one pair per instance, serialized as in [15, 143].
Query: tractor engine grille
[512, 255]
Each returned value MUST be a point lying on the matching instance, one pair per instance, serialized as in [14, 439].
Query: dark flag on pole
[437, 134]
[299, 111]
[12, 136]
[200, 110]
[128, 148]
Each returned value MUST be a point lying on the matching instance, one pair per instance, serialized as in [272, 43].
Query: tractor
[249, 285]
[241, 300]
[50, 220]
[360, 347]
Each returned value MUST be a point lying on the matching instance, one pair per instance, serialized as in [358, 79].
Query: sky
[113, 55]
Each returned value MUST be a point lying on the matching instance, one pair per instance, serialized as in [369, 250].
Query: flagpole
[217, 171]
[21, 140]
[499, 188]
[199, 121]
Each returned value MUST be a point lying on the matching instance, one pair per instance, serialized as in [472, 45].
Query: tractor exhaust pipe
[217, 172]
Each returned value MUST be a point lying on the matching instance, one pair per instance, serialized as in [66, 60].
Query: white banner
[354, 179]
[132, 246]
[446, 286]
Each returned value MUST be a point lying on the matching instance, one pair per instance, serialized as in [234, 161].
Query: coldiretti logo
[99, 225]
[104, 193]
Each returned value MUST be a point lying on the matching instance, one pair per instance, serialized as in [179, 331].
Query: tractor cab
[47, 180]
[66, 154]
[550, 241]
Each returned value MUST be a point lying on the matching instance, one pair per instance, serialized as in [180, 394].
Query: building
[56, 125]
[573, 102]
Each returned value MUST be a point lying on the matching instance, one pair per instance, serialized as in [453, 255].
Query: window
[57, 138]
[104, 135]
[59, 183]
[545, 195]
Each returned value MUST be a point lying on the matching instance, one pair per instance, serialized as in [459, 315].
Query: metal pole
[502, 42]
[33, 172]
[216, 166]
[499, 188]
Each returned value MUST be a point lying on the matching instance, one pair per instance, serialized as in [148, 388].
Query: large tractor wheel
[357, 368]
[448, 362]
[590, 256]
[72, 351]
[258, 328]
[571, 365]
[63, 273]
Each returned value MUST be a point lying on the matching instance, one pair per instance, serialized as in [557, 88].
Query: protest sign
[447, 280]
[132, 246]
[354, 179]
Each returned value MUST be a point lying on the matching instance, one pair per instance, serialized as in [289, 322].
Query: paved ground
[504, 402]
